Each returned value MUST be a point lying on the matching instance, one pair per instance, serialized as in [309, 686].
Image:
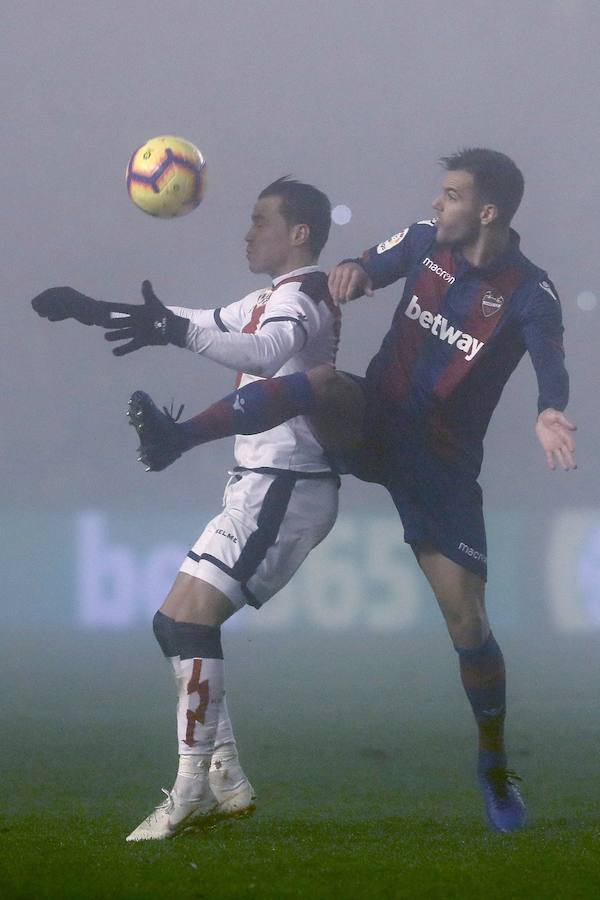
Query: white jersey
[289, 327]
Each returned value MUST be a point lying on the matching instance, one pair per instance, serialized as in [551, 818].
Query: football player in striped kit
[280, 501]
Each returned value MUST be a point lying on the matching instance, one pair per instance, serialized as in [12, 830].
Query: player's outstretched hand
[348, 281]
[59, 303]
[146, 325]
[554, 432]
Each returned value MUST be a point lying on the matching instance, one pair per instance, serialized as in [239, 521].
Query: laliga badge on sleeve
[392, 241]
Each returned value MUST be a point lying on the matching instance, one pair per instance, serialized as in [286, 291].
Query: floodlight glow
[341, 214]
[587, 301]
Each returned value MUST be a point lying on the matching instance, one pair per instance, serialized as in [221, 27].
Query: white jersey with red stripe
[290, 327]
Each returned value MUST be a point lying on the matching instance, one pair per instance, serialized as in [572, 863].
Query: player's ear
[489, 214]
[300, 234]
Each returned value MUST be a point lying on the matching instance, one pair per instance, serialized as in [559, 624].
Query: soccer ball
[166, 177]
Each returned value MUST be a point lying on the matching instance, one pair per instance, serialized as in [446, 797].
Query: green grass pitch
[361, 752]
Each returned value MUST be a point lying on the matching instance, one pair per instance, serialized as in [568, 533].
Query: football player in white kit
[280, 501]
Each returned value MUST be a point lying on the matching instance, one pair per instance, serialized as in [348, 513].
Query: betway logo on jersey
[439, 326]
[438, 270]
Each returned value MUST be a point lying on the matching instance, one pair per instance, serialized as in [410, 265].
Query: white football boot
[233, 792]
[174, 816]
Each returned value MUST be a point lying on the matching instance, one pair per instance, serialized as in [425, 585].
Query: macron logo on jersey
[439, 326]
[438, 270]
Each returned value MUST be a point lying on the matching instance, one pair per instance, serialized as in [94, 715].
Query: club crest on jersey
[392, 241]
[491, 304]
[263, 296]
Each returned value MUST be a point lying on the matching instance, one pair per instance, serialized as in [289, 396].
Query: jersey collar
[303, 271]
[510, 255]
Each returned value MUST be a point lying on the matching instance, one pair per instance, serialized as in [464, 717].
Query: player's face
[458, 209]
[269, 241]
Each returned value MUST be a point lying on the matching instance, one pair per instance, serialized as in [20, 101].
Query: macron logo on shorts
[470, 551]
[438, 325]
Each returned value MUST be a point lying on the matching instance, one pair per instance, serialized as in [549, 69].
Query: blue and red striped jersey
[457, 335]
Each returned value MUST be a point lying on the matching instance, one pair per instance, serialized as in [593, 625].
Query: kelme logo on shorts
[438, 325]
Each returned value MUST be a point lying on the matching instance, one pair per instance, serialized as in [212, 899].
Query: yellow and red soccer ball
[166, 177]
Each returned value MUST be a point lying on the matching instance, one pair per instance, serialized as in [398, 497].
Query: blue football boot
[503, 803]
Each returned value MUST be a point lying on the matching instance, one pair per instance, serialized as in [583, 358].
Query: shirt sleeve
[234, 338]
[262, 354]
[390, 260]
[207, 318]
[543, 333]
[289, 320]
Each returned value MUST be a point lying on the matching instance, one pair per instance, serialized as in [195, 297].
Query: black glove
[146, 325]
[60, 303]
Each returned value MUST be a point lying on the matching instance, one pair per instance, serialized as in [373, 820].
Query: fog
[361, 100]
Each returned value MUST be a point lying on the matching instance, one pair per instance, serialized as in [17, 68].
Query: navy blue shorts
[439, 502]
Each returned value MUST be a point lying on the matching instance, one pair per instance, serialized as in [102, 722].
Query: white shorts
[269, 525]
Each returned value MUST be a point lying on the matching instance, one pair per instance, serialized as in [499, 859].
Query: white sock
[200, 691]
[192, 776]
[226, 773]
[225, 746]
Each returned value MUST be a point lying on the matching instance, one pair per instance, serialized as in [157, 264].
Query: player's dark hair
[303, 204]
[497, 178]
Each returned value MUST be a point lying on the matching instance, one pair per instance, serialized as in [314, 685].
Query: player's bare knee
[467, 627]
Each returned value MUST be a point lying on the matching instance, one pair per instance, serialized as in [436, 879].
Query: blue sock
[483, 676]
[258, 406]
